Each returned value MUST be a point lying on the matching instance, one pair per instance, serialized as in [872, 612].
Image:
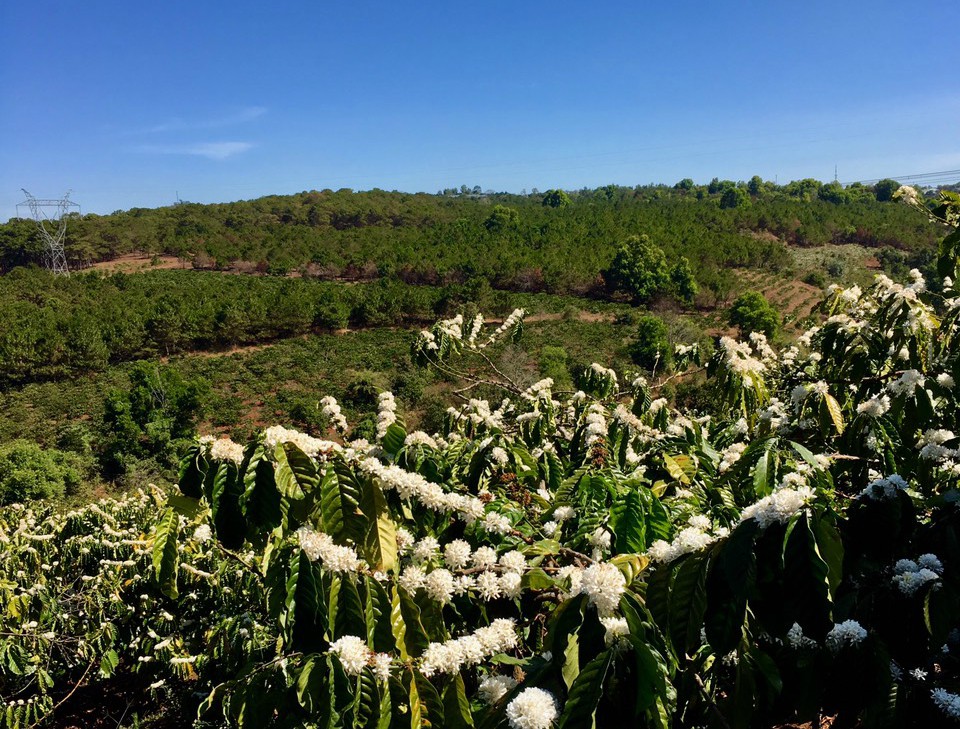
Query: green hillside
[538, 242]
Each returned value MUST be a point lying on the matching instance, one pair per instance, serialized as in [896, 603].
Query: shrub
[29, 472]
[363, 389]
[554, 363]
[151, 418]
[753, 313]
[651, 348]
[556, 199]
[815, 278]
[734, 197]
[409, 384]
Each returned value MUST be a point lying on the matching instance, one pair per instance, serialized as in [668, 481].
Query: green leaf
[350, 618]
[766, 667]
[657, 598]
[536, 579]
[366, 702]
[417, 718]
[687, 604]
[380, 541]
[730, 579]
[830, 545]
[562, 640]
[541, 548]
[763, 474]
[650, 683]
[628, 523]
[260, 502]
[569, 486]
[304, 617]
[340, 505]
[315, 687]
[631, 565]
[580, 709]
[377, 612]
[166, 555]
[806, 588]
[187, 506]
[806, 454]
[393, 439]
[553, 471]
[228, 520]
[387, 691]
[109, 663]
[431, 707]
[192, 471]
[571, 659]
[681, 467]
[658, 521]
[456, 705]
[833, 412]
[414, 637]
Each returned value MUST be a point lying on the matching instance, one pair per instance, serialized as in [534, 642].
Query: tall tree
[639, 269]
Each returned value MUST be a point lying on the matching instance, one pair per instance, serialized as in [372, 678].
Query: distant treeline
[53, 327]
[555, 242]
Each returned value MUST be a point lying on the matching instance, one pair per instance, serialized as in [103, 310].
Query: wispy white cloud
[210, 150]
[177, 124]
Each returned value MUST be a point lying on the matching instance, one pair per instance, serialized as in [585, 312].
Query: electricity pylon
[54, 212]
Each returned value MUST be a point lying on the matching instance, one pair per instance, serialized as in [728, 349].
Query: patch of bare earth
[135, 262]
[790, 297]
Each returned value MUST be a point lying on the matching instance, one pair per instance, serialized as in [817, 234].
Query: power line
[921, 177]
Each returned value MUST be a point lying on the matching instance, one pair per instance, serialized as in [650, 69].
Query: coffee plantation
[549, 558]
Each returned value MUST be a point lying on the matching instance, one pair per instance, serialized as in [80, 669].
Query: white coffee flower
[947, 702]
[513, 561]
[353, 654]
[484, 557]
[494, 688]
[603, 584]
[532, 708]
[440, 586]
[457, 554]
[616, 630]
[224, 449]
[847, 633]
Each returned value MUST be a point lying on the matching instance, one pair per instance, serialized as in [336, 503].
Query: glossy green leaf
[580, 708]
[166, 556]
[380, 539]
[629, 523]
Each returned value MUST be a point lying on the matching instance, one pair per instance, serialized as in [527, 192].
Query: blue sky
[130, 103]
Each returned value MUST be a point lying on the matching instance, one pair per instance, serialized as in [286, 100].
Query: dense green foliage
[514, 242]
[753, 313]
[598, 558]
[651, 349]
[639, 269]
[80, 609]
[747, 615]
[29, 472]
[151, 418]
[51, 327]
[282, 381]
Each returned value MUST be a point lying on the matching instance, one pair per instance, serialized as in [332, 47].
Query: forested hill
[555, 242]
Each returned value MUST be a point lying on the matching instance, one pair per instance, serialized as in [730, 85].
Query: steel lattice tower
[54, 212]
